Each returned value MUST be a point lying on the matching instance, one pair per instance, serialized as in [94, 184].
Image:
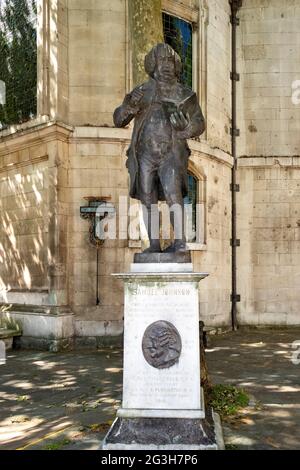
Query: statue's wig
[163, 50]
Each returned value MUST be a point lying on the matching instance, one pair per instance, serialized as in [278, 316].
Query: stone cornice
[269, 162]
[161, 277]
[109, 134]
[49, 131]
[112, 135]
[203, 147]
[14, 166]
[19, 138]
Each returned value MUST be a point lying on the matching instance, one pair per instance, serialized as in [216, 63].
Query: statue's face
[165, 68]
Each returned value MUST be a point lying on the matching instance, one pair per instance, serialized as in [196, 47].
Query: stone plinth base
[177, 257]
[163, 405]
[165, 434]
[161, 343]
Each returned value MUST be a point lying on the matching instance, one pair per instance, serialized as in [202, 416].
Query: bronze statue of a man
[166, 114]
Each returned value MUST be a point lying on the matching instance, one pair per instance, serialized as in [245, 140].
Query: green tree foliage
[146, 31]
[18, 60]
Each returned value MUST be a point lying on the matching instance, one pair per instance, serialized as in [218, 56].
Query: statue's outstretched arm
[129, 108]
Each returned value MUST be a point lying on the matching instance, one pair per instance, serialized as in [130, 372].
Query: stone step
[7, 337]
[7, 333]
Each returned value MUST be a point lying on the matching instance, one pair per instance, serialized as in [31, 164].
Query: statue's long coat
[125, 113]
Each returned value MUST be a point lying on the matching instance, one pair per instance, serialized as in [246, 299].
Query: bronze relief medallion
[161, 344]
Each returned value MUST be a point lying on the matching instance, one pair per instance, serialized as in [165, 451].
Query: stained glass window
[178, 34]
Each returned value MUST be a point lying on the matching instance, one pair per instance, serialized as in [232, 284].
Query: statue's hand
[179, 121]
[135, 97]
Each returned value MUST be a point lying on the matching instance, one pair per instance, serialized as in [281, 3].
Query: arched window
[178, 34]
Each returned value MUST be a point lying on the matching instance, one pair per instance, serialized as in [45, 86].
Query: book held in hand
[173, 106]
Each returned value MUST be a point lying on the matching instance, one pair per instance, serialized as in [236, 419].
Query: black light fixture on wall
[97, 210]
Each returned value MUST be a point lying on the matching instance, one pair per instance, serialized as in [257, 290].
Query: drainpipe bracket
[235, 76]
[234, 131]
[235, 187]
[234, 20]
[235, 297]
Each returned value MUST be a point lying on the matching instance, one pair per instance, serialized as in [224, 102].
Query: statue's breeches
[158, 172]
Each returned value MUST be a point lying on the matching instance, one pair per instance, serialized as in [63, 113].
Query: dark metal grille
[178, 34]
[18, 61]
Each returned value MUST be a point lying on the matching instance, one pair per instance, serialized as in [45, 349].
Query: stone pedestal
[163, 406]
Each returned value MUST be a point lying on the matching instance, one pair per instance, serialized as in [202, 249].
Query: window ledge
[134, 244]
[197, 246]
[191, 246]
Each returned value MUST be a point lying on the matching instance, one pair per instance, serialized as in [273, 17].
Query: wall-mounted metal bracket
[235, 298]
[234, 131]
[235, 187]
[97, 209]
[235, 76]
[235, 21]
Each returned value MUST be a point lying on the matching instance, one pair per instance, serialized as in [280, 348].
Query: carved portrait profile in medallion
[161, 344]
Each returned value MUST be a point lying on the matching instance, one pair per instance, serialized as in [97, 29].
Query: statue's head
[163, 63]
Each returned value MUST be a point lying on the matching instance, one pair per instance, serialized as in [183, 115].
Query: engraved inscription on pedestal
[161, 344]
[170, 382]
